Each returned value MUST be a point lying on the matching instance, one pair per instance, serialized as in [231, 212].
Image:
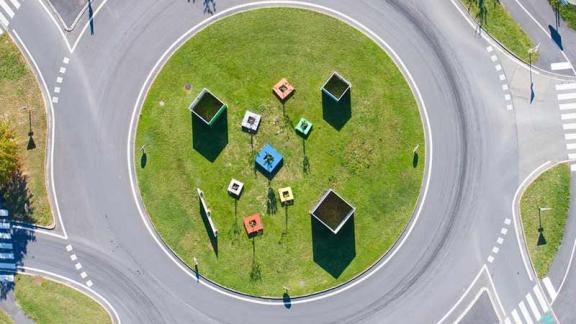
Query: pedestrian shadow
[287, 300]
[415, 159]
[556, 37]
[333, 252]
[143, 160]
[91, 17]
[210, 140]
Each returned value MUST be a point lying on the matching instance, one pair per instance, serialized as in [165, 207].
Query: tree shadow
[556, 37]
[333, 252]
[271, 203]
[337, 113]
[210, 140]
[15, 197]
[208, 228]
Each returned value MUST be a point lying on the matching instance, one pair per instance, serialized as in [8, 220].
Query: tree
[8, 153]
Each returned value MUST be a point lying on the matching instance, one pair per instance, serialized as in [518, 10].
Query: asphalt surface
[478, 156]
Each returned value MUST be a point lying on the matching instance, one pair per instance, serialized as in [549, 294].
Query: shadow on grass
[210, 140]
[337, 113]
[271, 202]
[143, 160]
[333, 252]
[16, 198]
[208, 228]
[415, 159]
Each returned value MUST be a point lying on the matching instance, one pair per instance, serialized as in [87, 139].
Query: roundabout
[378, 128]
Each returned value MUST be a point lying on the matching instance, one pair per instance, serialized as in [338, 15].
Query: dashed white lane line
[490, 259]
[54, 99]
[565, 86]
[507, 97]
[73, 257]
[78, 266]
[525, 313]
[59, 79]
[68, 248]
[533, 307]
[560, 66]
[567, 106]
[15, 3]
[509, 107]
[516, 317]
[500, 240]
[549, 288]
[505, 87]
[66, 60]
[567, 96]
[502, 77]
[56, 89]
[495, 250]
[568, 116]
[89, 283]
[489, 49]
[494, 58]
[7, 8]
[83, 275]
[503, 231]
[62, 69]
[498, 67]
[507, 221]
[540, 299]
[569, 126]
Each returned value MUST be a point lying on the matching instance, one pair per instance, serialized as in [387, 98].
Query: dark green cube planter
[207, 107]
[336, 86]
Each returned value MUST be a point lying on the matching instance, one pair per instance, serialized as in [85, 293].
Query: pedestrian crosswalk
[566, 95]
[7, 260]
[560, 66]
[8, 10]
[532, 309]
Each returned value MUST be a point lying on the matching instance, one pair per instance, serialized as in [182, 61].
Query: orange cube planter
[253, 225]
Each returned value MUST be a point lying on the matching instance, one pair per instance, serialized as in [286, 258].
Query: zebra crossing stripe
[566, 96]
[6, 246]
[540, 299]
[533, 307]
[525, 313]
[567, 106]
[5, 256]
[15, 3]
[549, 288]
[10, 266]
[516, 317]
[7, 8]
[3, 20]
[566, 86]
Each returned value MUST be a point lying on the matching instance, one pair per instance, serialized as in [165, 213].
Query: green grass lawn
[4, 318]
[364, 153]
[18, 90]
[498, 22]
[550, 190]
[567, 12]
[45, 302]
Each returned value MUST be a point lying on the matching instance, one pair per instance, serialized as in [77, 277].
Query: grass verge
[550, 190]
[498, 23]
[567, 12]
[361, 148]
[45, 302]
[23, 108]
[5, 318]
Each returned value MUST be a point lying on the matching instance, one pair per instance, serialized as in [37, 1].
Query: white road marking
[503, 231]
[1, 31]
[494, 58]
[560, 66]
[571, 146]
[6, 246]
[573, 167]
[62, 69]
[570, 136]
[549, 288]
[7, 278]
[572, 156]
[507, 221]
[567, 106]
[89, 283]
[502, 77]
[525, 313]
[66, 60]
[15, 3]
[498, 67]
[489, 49]
[54, 99]
[540, 299]
[490, 259]
[569, 126]
[516, 317]
[533, 307]
[7, 8]
[495, 250]
[73, 257]
[78, 266]
[59, 80]
[10, 266]
[566, 86]
[507, 321]
[567, 96]
[507, 97]
[6, 256]
[3, 20]
[5, 236]
[500, 240]
[56, 89]
[4, 225]
[83, 275]
[504, 87]
[568, 116]
[509, 107]
[68, 247]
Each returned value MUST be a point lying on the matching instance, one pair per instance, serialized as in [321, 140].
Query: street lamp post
[540, 210]
[531, 51]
